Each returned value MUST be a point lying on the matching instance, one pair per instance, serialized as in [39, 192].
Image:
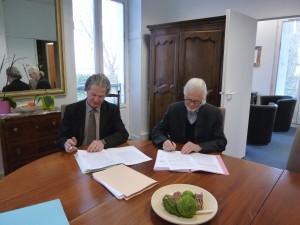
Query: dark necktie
[91, 127]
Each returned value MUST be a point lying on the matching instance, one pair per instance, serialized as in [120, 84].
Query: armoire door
[163, 75]
[201, 55]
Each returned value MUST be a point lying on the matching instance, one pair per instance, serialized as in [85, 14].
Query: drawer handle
[19, 151]
[36, 127]
[15, 130]
[54, 123]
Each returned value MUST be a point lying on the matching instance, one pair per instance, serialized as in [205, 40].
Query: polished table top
[283, 204]
[240, 195]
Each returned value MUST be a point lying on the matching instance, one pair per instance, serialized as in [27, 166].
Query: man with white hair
[38, 80]
[192, 122]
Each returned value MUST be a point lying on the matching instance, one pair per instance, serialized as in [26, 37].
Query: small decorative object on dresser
[47, 101]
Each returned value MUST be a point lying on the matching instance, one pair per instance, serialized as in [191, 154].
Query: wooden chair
[62, 110]
[293, 163]
[116, 97]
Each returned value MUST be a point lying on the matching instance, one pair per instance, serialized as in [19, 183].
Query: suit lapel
[81, 118]
[182, 122]
[103, 117]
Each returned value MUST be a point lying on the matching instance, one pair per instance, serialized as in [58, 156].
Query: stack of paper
[46, 213]
[176, 161]
[124, 182]
[95, 161]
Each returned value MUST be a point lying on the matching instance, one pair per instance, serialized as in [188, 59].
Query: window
[289, 59]
[99, 37]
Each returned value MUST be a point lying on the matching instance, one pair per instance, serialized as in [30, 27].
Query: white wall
[142, 13]
[262, 75]
[258, 9]
[69, 55]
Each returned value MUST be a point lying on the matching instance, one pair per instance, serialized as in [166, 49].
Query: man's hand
[169, 146]
[70, 145]
[190, 147]
[96, 146]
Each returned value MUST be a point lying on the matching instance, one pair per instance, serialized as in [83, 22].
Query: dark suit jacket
[43, 83]
[208, 129]
[112, 128]
[16, 85]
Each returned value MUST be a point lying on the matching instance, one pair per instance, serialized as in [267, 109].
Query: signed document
[176, 161]
[95, 161]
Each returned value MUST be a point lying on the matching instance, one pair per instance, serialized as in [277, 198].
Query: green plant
[47, 101]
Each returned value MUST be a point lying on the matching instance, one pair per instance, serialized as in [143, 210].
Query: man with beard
[192, 122]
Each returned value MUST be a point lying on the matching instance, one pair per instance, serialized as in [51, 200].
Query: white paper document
[95, 161]
[176, 161]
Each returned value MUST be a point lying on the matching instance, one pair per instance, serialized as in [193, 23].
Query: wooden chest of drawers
[28, 137]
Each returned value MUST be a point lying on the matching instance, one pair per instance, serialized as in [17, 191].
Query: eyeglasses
[196, 102]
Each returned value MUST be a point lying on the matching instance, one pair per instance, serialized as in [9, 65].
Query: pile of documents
[95, 161]
[176, 161]
[124, 182]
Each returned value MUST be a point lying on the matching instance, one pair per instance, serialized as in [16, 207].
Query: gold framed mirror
[47, 44]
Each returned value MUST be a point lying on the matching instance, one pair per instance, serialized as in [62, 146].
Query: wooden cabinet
[180, 51]
[27, 137]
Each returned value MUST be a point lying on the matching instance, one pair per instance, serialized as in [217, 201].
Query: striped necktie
[91, 127]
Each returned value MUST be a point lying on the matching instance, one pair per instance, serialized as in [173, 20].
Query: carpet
[275, 153]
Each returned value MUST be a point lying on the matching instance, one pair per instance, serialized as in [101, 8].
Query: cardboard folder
[123, 181]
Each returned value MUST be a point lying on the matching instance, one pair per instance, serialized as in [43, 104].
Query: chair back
[116, 98]
[261, 124]
[223, 112]
[266, 99]
[284, 114]
[293, 163]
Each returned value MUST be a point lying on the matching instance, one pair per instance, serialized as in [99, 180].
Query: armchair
[261, 124]
[285, 111]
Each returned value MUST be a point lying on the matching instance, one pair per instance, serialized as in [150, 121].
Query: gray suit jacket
[208, 129]
[112, 128]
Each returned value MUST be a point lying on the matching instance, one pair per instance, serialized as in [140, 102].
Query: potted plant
[6, 102]
[47, 101]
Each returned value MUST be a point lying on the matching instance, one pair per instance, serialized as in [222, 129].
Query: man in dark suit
[14, 79]
[74, 130]
[192, 122]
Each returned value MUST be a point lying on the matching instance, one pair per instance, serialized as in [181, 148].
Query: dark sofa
[286, 106]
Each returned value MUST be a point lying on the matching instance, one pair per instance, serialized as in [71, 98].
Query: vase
[4, 107]
[48, 102]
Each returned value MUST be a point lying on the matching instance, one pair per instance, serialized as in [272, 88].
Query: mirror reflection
[30, 40]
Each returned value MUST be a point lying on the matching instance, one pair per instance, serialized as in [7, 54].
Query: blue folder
[46, 213]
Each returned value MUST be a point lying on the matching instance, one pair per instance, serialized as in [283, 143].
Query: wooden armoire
[180, 51]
